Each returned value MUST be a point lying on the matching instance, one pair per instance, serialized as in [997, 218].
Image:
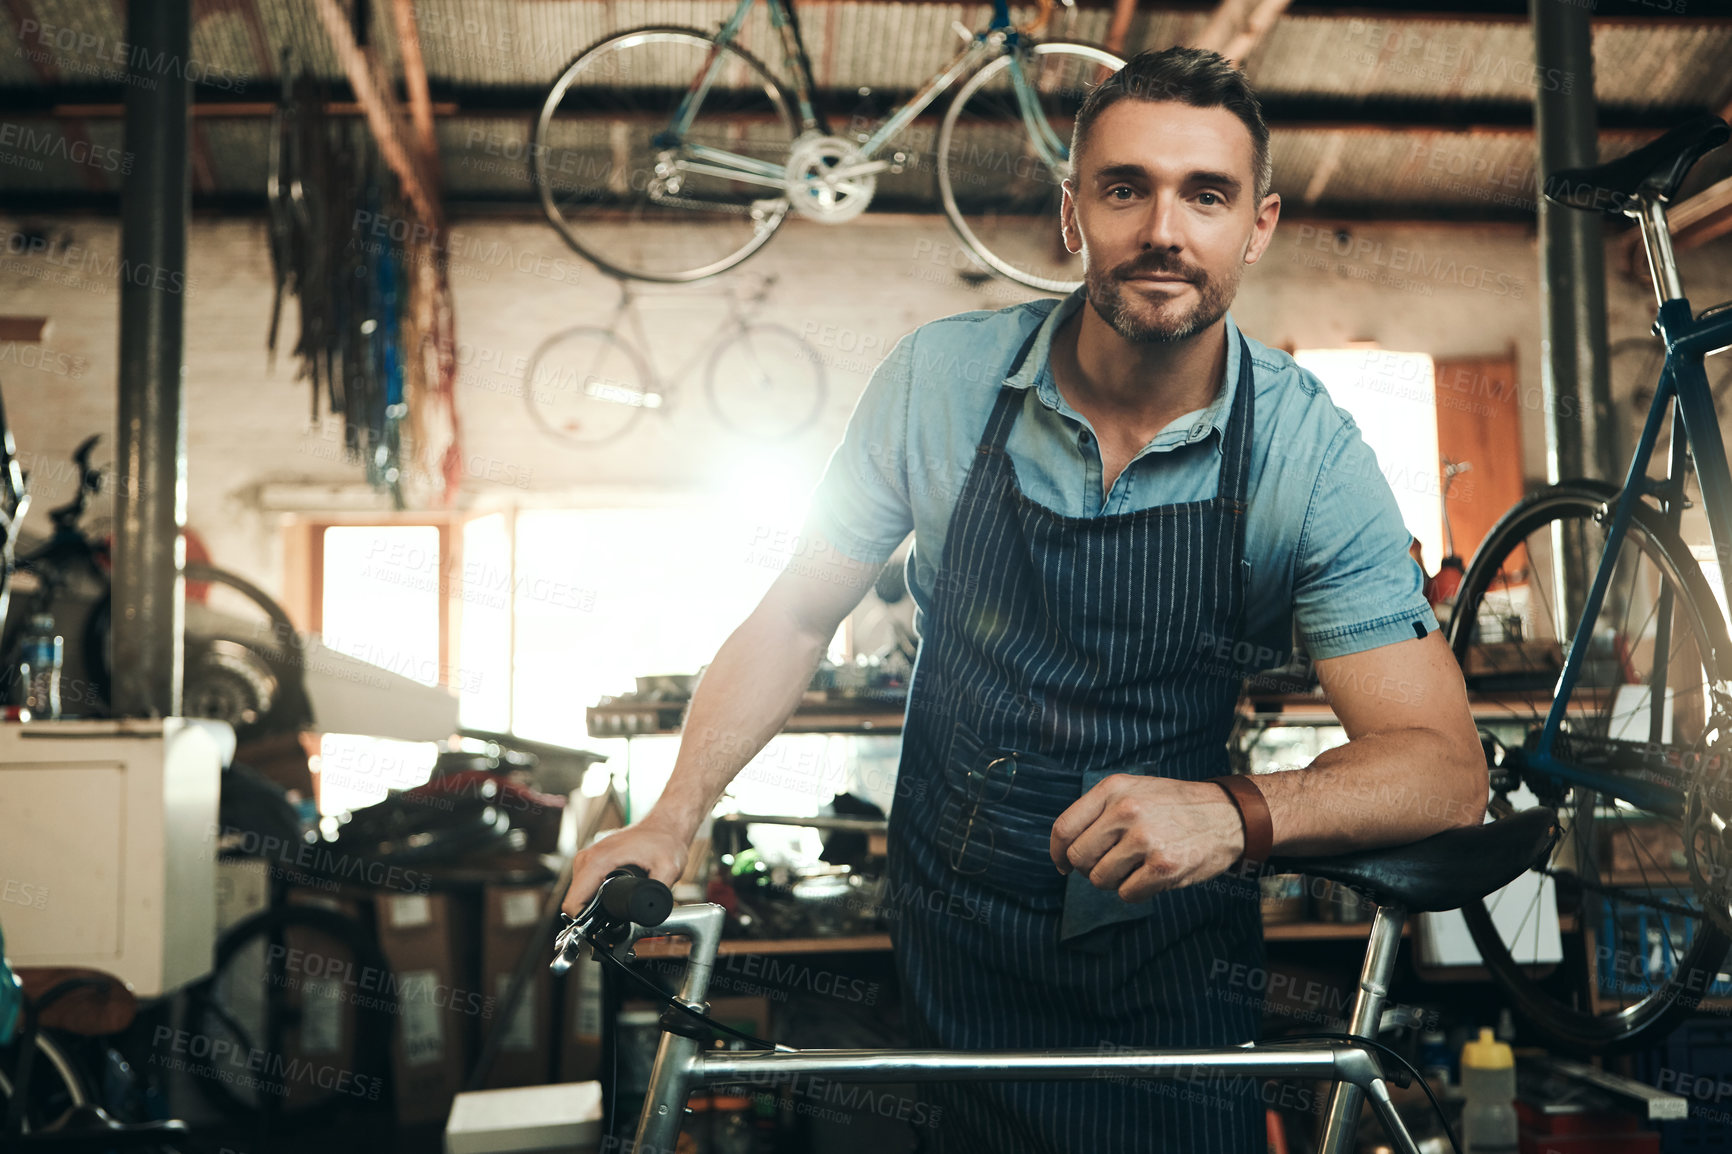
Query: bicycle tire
[948, 179]
[49, 1055]
[367, 1031]
[792, 415]
[1563, 1019]
[542, 147]
[570, 420]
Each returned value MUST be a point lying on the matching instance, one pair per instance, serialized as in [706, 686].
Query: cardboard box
[511, 916]
[438, 1006]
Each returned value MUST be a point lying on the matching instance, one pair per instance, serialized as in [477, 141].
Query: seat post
[1337, 1135]
[1657, 242]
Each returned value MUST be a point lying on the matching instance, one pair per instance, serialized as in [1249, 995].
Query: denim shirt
[1326, 551]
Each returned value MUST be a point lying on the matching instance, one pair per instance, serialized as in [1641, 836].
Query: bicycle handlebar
[628, 896]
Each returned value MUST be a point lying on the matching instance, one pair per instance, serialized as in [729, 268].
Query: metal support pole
[150, 501]
[1573, 357]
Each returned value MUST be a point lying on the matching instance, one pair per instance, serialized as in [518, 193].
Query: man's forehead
[1166, 134]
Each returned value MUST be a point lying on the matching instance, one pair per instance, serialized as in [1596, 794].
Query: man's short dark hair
[1193, 76]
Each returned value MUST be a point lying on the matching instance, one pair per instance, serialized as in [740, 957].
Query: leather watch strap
[1253, 812]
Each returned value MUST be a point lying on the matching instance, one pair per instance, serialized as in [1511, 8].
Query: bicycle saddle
[80, 1001]
[1441, 872]
[1657, 167]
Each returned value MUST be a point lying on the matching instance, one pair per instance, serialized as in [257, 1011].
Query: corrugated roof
[1363, 106]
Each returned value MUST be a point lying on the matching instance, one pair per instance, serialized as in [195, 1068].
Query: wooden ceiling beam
[384, 114]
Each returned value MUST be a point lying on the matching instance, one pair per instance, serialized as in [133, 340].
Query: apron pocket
[996, 816]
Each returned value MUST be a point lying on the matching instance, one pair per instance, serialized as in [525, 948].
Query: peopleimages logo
[322, 861]
[56, 145]
[248, 1066]
[368, 987]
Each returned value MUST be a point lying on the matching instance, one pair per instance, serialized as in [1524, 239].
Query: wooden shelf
[678, 947]
[862, 943]
[1323, 931]
[662, 718]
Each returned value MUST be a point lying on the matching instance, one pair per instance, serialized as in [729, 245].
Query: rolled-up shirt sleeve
[1355, 587]
[861, 505]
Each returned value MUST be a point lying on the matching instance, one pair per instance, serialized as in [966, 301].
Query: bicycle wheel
[1638, 952]
[630, 194]
[55, 1084]
[323, 977]
[586, 386]
[999, 187]
[766, 382]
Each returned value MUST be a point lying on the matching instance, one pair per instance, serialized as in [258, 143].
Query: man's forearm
[1380, 789]
[744, 698]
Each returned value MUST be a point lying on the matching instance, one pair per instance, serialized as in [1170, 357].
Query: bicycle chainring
[815, 189]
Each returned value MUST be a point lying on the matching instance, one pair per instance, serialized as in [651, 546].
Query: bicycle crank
[828, 179]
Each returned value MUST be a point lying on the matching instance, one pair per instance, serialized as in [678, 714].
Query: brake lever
[594, 925]
[568, 946]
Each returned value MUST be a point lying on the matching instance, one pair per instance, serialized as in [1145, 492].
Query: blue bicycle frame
[1683, 389]
[998, 37]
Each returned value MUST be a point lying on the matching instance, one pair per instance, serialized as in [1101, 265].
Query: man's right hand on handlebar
[647, 844]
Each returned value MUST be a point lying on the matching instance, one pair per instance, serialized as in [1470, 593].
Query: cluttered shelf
[640, 718]
[879, 713]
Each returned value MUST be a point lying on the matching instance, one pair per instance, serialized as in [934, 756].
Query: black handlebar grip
[630, 894]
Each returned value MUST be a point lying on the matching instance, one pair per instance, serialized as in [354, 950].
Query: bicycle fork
[683, 1064]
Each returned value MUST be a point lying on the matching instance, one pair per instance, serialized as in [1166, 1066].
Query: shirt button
[1083, 437]
[1197, 432]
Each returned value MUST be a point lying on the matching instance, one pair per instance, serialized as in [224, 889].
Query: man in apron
[1121, 506]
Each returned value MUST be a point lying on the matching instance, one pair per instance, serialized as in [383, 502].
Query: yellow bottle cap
[1487, 1053]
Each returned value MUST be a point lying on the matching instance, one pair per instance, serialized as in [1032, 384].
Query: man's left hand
[1140, 835]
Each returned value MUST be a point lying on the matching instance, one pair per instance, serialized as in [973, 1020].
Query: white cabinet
[108, 834]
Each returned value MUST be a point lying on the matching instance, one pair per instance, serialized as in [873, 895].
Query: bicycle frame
[682, 1066]
[999, 37]
[1683, 390]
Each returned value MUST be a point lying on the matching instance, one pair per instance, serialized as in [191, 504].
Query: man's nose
[1161, 227]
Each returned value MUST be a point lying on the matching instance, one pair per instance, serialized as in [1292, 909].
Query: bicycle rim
[999, 187]
[55, 1084]
[336, 999]
[1638, 952]
[627, 195]
[766, 383]
[587, 387]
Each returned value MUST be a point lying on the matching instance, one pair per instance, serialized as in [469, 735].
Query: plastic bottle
[1488, 1119]
[43, 651]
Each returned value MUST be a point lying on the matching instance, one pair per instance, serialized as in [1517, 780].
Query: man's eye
[1118, 188]
[1214, 198]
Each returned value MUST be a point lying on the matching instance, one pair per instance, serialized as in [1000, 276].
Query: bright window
[552, 609]
[1393, 399]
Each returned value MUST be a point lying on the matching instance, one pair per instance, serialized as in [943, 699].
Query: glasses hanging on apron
[971, 850]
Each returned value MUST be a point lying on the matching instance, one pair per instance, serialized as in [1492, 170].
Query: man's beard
[1106, 292]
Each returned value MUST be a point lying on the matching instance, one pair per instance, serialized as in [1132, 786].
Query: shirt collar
[1036, 370]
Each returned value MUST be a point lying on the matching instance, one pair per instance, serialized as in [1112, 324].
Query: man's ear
[1067, 220]
[1263, 230]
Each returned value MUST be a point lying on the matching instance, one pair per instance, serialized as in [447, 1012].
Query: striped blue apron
[1060, 650]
